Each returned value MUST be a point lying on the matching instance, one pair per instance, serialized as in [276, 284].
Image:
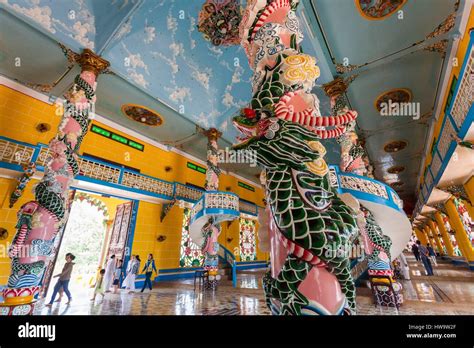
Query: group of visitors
[113, 272]
[109, 277]
[425, 254]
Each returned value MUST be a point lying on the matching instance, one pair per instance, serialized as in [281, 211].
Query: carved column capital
[212, 134]
[89, 61]
[335, 88]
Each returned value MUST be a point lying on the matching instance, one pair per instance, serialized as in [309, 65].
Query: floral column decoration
[40, 220]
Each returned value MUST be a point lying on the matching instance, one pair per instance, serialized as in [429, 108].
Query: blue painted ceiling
[160, 60]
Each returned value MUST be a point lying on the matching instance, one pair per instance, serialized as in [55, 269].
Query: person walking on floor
[148, 269]
[99, 285]
[64, 278]
[432, 254]
[415, 251]
[133, 266]
[424, 254]
[109, 273]
[117, 275]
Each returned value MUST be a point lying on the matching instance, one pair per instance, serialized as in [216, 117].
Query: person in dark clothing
[415, 251]
[425, 254]
[432, 254]
[64, 278]
[148, 269]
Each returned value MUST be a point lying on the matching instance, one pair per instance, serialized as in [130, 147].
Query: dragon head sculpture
[279, 143]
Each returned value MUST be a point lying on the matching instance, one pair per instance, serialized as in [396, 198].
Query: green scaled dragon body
[306, 209]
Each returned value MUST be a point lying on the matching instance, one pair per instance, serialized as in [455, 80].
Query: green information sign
[245, 186]
[105, 133]
[196, 168]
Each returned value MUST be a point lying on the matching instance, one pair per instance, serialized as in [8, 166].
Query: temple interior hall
[236, 157]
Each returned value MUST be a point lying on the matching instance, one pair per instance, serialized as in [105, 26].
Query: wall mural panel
[247, 244]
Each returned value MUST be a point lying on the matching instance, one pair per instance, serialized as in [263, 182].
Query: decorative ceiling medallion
[395, 146]
[142, 115]
[378, 9]
[219, 21]
[394, 96]
[396, 169]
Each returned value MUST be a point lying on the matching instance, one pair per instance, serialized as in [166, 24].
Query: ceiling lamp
[396, 184]
[396, 169]
[377, 10]
[43, 127]
[394, 96]
[142, 115]
[395, 146]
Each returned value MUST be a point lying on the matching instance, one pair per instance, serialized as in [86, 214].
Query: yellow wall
[20, 114]
[148, 227]
[460, 54]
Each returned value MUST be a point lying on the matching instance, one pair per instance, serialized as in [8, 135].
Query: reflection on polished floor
[450, 291]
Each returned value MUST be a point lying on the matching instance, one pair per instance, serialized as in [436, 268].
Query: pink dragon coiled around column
[40, 220]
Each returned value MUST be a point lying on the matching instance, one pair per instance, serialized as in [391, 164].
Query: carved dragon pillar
[212, 230]
[353, 156]
[40, 220]
[283, 125]
[310, 229]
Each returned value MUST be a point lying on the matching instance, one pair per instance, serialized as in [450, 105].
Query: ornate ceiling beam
[457, 191]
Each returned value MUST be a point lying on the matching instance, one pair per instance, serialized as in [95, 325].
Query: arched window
[190, 253]
[248, 249]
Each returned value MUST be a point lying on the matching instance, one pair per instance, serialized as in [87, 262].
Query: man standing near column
[416, 252]
[424, 254]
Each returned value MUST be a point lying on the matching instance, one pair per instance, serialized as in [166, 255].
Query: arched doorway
[87, 236]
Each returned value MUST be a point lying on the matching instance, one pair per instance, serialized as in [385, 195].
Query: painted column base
[210, 284]
[18, 301]
[387, 298]
[313, 308]
[17, 309]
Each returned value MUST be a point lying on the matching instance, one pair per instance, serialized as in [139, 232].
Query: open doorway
[97, 227]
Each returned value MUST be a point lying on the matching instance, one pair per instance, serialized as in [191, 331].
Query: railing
[187, 193]
[18, 154]
[458, 119]
[229, 258]
[15, 154]
[147, 183]
[364, 188]
[223, 206]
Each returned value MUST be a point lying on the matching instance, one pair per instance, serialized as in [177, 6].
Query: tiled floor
[450, 291]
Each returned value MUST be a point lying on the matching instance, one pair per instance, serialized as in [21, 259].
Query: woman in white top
[109, 273]
[132, 270]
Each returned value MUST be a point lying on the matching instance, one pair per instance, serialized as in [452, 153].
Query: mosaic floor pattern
[450, 291]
